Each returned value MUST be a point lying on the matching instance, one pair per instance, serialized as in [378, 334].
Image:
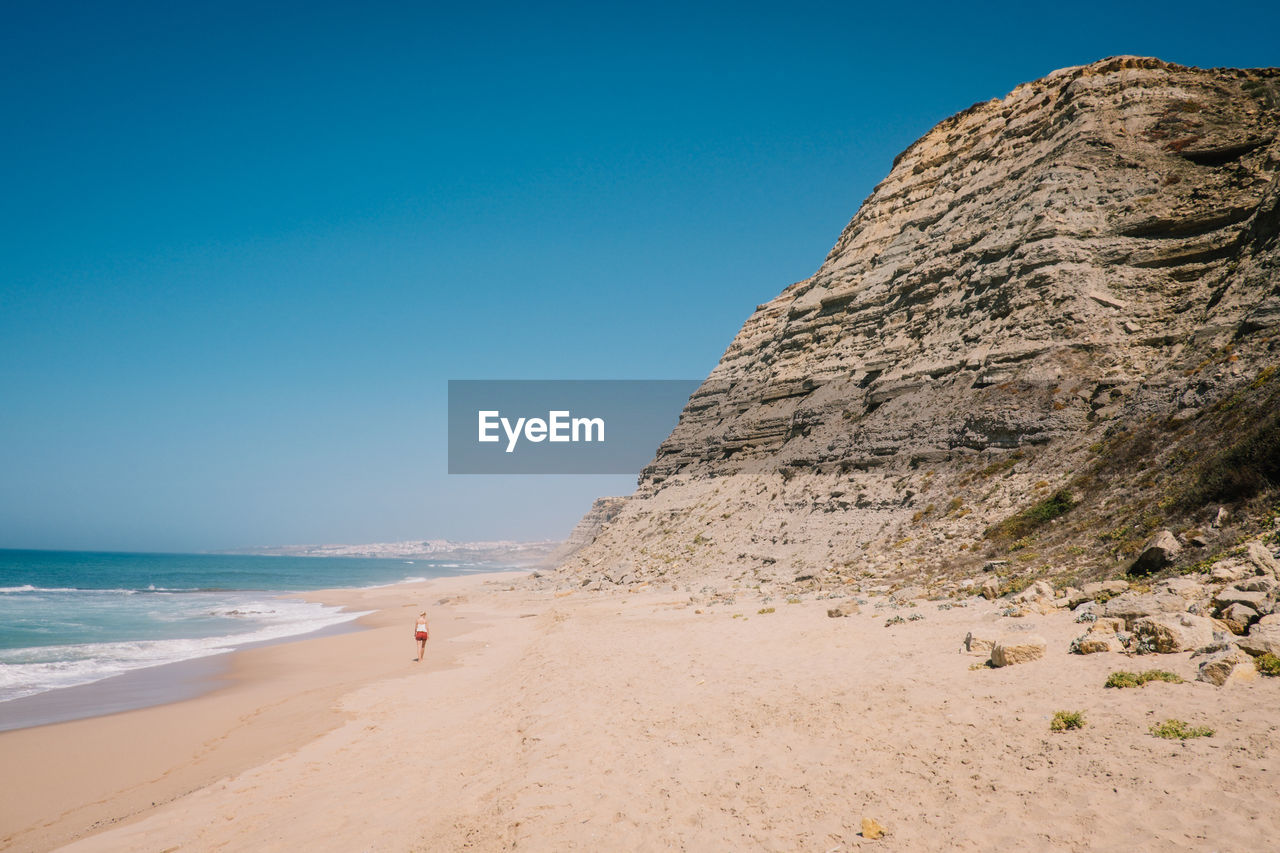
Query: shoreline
[160, 684]
[242, 708]
[145, 687]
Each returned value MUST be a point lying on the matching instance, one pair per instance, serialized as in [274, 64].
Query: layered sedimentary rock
[588, 528]
[1099, 247]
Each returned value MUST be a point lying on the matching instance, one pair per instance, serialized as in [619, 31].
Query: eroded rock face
[1030, 271]
[589, 527]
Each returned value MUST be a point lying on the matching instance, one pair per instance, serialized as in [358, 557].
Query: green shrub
[1051, 507]
[1123, 679]
[1020, 525]
[1178, 730]
[1268, 664]
[1160, 675]
[1066, 720]
[1248, 466]
[1137, 679]
[763, 610]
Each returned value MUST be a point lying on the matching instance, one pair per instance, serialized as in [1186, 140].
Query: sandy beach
[631, 721]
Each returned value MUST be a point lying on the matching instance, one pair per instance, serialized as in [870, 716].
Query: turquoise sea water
[69, 618]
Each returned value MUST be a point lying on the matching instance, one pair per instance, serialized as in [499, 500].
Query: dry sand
[626, 721]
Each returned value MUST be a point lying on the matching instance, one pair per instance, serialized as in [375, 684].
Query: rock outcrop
[1039, 279]
[588, 528]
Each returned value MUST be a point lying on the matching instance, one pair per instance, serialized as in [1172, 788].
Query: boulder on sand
[1010, 651]
[1225, 665]
[1170, 634]
[1101, 637]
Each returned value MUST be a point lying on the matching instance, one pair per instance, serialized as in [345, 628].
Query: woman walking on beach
[421, 634]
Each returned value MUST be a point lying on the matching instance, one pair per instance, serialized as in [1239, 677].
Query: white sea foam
[26, 587]
[29, 588]
[27, 671]
[395, 583]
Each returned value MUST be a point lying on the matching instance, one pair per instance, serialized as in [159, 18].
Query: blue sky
[245, 245]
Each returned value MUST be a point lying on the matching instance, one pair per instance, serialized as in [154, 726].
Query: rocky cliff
[1049, 332]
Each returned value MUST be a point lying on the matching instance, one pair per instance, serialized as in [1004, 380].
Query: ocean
[72, 618]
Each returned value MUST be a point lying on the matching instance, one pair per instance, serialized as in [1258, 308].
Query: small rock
[994, 565]
[1187, 588]
[991, 588]
[1263, 636]
[1238, 617]
[871, 828]
[1262, 559]
[1070, 597]
[1229, 664]
[1038, 590]
[1230, 571]
[1259, 601]
[1160, 551]
[1020, 650]
[1095, 641]
[1091, 591]
[1259, 583]
[1086, 611]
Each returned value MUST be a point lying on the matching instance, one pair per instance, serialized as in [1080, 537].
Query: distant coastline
[515, 554]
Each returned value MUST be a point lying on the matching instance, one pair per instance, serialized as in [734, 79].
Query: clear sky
[246, 244]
